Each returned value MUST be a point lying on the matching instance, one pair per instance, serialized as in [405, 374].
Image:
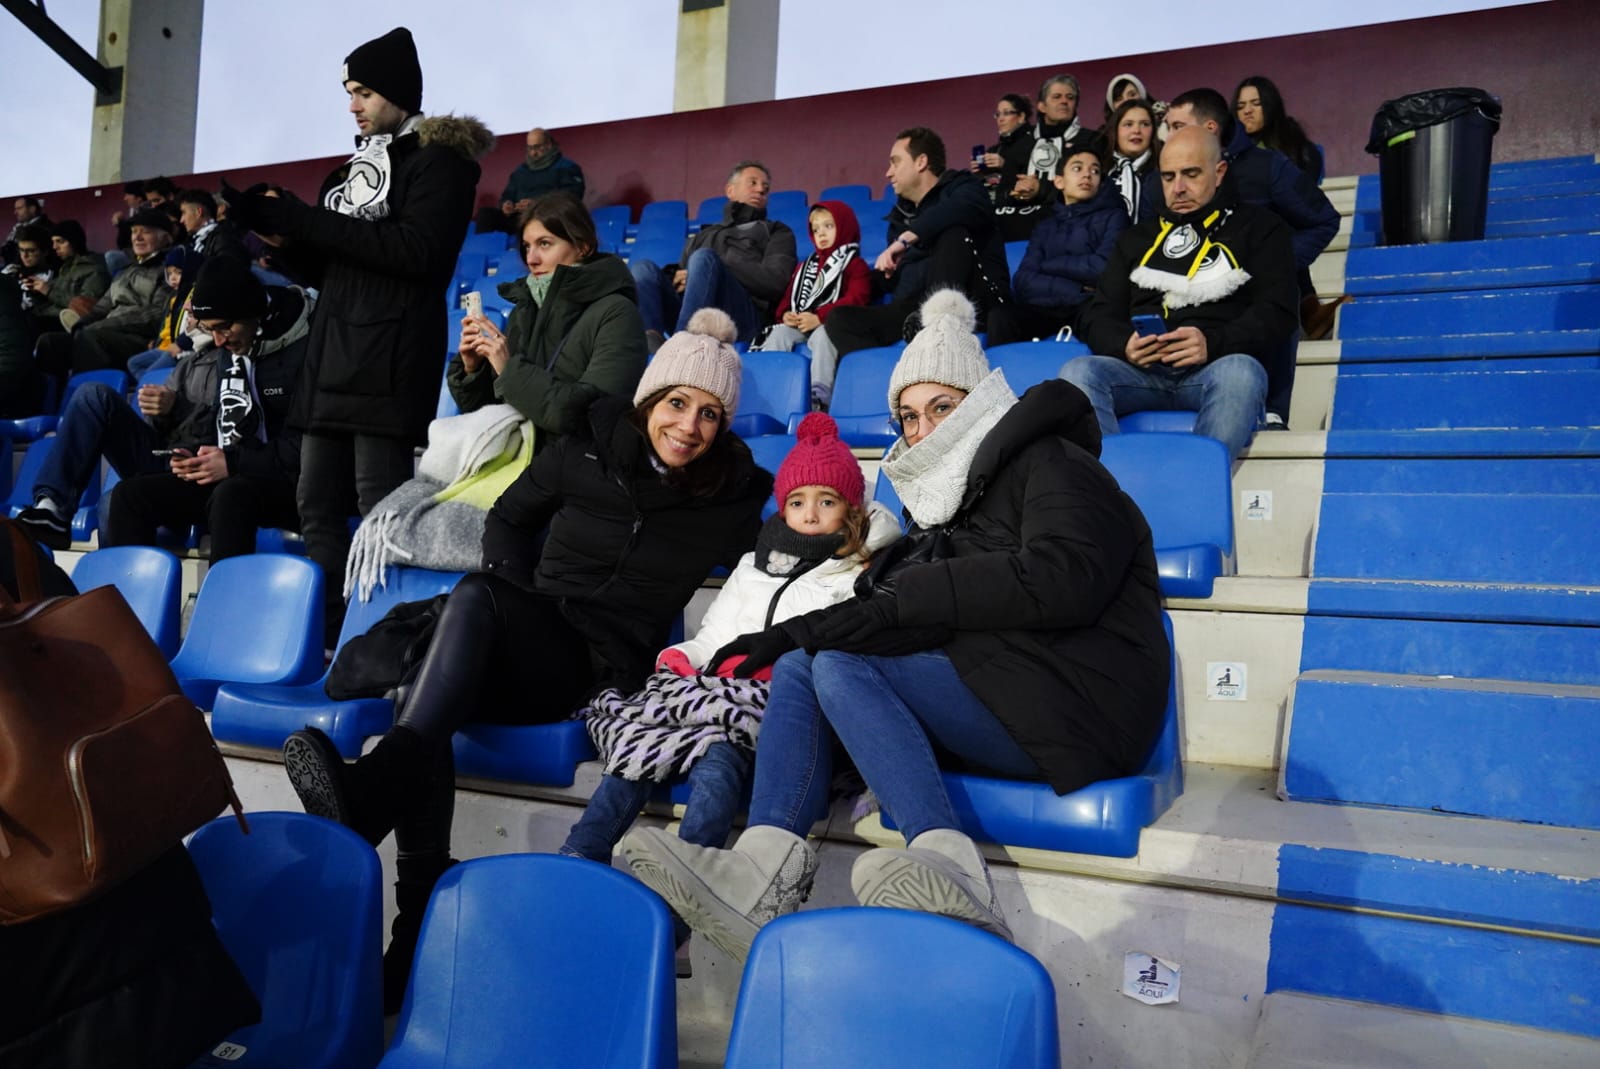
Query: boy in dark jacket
[1219, 276]
[380, 245]
[1065, 255]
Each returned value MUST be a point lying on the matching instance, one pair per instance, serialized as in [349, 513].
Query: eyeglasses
[1006, 114]
[910, 420]
[222, 326]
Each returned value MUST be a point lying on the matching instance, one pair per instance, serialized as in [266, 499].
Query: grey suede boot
[726, 895]
[940, 871]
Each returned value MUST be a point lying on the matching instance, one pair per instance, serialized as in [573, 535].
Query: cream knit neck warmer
[931, 476]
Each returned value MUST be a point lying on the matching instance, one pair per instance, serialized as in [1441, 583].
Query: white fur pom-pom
[951, 305]
[714, 323]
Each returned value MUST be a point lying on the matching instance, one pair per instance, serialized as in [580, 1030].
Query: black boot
[416, 877]
[367, 796]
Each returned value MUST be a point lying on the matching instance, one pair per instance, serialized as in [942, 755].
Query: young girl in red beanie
[693, 716]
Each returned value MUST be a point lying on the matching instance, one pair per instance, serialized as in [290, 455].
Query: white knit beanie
[945, 350]
[702, 356]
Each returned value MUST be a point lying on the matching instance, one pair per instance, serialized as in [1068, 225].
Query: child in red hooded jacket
[833, 275]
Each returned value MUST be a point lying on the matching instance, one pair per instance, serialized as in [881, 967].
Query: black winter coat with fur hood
[378, 338]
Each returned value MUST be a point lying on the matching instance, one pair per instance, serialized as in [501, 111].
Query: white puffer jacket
[741, 606]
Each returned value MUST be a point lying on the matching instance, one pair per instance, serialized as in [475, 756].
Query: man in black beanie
[215, 450]
[82, 278]
[380, 244]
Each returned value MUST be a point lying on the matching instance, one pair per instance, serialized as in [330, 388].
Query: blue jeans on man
[98, 421]
[709, 285]
[890, 713]
[1228, 393]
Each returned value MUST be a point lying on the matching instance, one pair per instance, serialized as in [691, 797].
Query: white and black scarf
[820, 279]
[1127, 174]
[1186, 263]
[364, 193]
[1047, 149]
[238, 405]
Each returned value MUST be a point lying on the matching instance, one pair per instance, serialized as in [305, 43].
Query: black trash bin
[1433, 153]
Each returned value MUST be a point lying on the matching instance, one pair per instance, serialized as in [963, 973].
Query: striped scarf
[666, 727]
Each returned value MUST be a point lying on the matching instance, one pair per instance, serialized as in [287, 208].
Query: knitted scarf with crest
[1186, 263]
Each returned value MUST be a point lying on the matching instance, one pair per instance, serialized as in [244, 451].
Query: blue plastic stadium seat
[661, 251]
[264, 715]
[662, 230]
[888, 987]
[154, 377]
[1182, 484]
[769, 451]
[510, 265]
[489, 244]
[1015, 251]
[1029, 363]
[664, 209]
[31, 428]
[28, 474]
[710, 211]
[1158, 422]
[1102, 818]
[883, 493]
[783, 202]
[447, 406]
[857, 196]
[775, 386]
[471, 265]
[611, 215]
[546, 754]
[860, 402]
[258, 619]
[533, 959]
[298, 903]
[150, 580]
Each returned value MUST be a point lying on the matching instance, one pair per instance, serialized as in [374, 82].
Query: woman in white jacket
[693, 716]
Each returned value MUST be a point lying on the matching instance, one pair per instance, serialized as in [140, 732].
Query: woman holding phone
[574, 334]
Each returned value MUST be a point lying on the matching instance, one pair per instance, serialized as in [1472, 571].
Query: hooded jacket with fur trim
[378, 336]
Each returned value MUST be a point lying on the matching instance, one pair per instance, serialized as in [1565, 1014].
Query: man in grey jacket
[741, 265]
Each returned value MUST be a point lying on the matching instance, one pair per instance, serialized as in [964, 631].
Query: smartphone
[978, 152]
[179, 452]
[1145, 326]
[473, 303]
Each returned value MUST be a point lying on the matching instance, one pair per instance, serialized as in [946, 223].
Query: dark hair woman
[574, 334]
[1131, 154]
[1258, 106]
[1017, 627]
[640, 502]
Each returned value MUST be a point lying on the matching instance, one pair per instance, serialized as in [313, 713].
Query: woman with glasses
[1016, 629]
[1002, 161]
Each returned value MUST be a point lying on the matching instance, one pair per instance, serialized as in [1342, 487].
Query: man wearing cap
[227, 459]
[127, 318]
[380, 244]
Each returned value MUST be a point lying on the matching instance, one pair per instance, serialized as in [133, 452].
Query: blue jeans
[890, 713]
[1228, 394]
[98, 421]
[709, 284]
[717, 783]
[150, 361]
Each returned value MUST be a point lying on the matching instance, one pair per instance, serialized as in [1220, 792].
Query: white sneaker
[726, 895]
[940, 871]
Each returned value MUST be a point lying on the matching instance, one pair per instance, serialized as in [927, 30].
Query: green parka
[586, 341]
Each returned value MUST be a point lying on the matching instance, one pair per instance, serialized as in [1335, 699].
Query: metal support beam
[727, 53]
[107, 81]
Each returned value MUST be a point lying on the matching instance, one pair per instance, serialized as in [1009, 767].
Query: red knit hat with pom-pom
[820, 459]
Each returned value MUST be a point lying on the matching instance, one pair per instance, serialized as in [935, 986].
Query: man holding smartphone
[1191, 303]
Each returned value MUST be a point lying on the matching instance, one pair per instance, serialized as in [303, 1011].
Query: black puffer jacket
[626, 548]
[584, 342]
[1051, 590]
[958, 199]
[758, 251]
[378, 338]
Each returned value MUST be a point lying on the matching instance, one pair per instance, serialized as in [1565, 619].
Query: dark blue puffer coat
[1067, 251]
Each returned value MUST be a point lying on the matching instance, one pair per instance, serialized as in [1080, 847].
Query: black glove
[846, 625]
[254, 210]
[759, 649]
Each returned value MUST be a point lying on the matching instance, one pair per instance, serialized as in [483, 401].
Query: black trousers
[499, 653]
[1016, 322]
[232, 510]
[343, 475]
[952, 263]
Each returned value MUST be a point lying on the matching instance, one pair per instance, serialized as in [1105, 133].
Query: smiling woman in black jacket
[1017, 627]
[639, 506]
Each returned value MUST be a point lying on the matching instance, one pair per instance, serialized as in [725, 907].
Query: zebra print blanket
[664, 728]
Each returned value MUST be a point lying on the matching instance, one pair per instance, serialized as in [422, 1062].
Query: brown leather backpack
[104, 764]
